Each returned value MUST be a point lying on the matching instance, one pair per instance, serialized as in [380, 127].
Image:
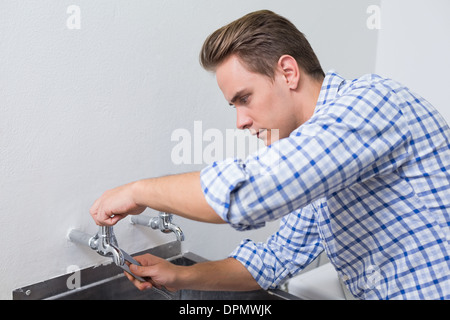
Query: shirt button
[345, 277]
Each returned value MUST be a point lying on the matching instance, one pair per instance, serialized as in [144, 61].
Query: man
[360, 169]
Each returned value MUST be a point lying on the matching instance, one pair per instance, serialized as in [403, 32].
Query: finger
[98, 214]
[142, 271]
[104, 218]
[148, 259]
[114, 219]
[138, 284]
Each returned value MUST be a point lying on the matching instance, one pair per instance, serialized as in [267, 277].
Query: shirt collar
[330, 87]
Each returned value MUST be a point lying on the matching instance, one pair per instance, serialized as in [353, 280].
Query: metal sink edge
[107, 282]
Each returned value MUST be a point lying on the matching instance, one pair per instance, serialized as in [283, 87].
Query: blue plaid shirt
[367, 179]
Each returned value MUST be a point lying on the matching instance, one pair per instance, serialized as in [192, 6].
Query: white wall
[89, 109]
[414, 48]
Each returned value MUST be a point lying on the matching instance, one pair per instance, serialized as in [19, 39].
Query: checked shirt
[366, 178]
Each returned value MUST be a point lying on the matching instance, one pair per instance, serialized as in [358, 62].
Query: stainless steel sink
[109, 283]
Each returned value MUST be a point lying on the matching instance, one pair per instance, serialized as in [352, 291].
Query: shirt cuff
[218, 188]
[248, 253]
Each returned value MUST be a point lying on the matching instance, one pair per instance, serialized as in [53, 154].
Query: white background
[82, 111]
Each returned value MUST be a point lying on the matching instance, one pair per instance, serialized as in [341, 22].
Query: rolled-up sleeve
[223, 180]
[286, 253]
[218, 181]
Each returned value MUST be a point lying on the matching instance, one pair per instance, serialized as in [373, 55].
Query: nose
[243, 121]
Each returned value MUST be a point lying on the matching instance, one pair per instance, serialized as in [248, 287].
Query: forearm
[224, 275]
[179, 194]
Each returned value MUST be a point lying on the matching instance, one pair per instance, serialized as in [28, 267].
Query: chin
[271, 136]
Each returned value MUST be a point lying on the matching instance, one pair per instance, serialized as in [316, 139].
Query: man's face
[263, 105]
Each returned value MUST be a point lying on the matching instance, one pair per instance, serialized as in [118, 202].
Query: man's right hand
[228, 275]
[158, 271]
[178, 194]
[114, 205]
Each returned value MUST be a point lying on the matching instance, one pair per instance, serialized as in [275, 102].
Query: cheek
[274, 114]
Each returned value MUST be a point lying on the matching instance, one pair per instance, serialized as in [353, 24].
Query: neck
[307, 95]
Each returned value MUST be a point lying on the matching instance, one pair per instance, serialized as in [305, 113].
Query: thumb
[138, 270]
[142, 271]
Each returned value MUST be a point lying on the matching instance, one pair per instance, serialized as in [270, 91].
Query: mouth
[260, 131]
[268, 136]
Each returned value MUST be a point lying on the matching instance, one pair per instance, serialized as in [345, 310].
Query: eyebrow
[237, 96]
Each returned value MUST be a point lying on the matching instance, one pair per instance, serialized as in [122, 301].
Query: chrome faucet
[162, 222]
[105, 243]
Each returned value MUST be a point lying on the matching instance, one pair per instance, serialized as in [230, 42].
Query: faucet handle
[166, 225]
[165, 221]
[162, 222]
[105, 243]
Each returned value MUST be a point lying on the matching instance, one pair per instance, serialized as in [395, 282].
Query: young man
[360, 169]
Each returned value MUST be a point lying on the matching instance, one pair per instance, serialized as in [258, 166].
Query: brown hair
[259, 39]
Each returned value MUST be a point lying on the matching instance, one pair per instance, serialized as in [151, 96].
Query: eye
[244, 99]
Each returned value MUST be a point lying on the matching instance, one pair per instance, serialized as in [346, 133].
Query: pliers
[105, 243]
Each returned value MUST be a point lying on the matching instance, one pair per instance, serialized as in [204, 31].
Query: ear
[289, 69]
